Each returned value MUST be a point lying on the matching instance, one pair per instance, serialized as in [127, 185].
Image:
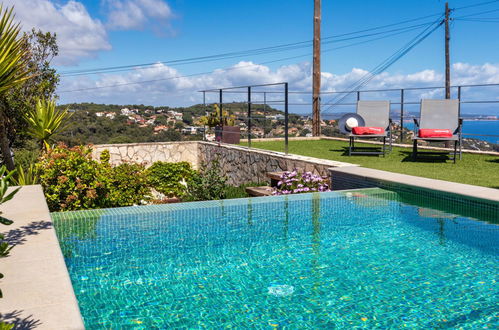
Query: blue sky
[95, 34]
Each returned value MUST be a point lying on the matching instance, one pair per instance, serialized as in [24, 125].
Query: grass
[475, 169]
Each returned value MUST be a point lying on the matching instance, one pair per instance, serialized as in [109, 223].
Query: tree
[41, 49]
[14, 71]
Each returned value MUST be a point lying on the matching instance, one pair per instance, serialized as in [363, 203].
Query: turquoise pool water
[372, 259]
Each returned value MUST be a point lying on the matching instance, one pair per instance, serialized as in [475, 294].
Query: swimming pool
[367, 258]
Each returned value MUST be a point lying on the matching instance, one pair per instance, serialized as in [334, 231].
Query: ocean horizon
[474, 129]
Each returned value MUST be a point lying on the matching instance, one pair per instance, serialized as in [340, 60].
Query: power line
[202, 60]
[386, 63]
[479, 13]
[235, 68]
[476, 5]
[282, 47]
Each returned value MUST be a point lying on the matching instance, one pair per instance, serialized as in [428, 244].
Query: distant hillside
[194, 110]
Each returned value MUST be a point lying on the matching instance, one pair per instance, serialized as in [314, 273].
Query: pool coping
[353, 177]
[37, 288]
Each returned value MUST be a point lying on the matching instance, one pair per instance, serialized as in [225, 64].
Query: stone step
[259, 191]
[274, 177]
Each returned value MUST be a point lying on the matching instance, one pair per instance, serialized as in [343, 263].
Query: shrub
[295, 183]
[170, 179]
[127, 184]
[209, 184]
[71, 180]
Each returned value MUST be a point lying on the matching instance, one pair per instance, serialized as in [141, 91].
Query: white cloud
[78, 34]
[165, 88]
[138, 14]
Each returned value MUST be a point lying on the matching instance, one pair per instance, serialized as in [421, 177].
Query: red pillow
[359, 130]
[433, 133]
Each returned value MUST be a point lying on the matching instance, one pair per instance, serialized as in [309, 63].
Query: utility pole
[316, 75]
[447, 53]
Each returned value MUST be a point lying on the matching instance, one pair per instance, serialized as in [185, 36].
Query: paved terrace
[37, 289]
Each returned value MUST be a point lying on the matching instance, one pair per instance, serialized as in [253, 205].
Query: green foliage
[240, 191]
[13, 69]
[209, 184]
[5, 177]
[5, 326]
[86, 128]
[72, 180]
[41, 48]
[213, 119]
[127, 185]
[105, 156]
[25, 176]
[44, 121]
[170, 179]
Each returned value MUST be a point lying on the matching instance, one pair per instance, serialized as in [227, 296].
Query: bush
[72, 180]
[209, 184]
[170, 179]
[127, 185]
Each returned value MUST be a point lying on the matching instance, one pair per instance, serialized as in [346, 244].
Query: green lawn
[481, 170]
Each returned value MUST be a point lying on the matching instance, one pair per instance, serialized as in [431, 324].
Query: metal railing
[404, 102]
[249, 91]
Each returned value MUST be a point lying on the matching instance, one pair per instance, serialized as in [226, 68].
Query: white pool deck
[358, 177]
[37, 290]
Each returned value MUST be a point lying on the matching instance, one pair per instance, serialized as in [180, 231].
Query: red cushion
[433, 133]
[367, 130]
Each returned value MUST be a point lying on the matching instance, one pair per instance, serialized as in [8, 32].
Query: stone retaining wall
[240, 164]
[148, 153]
[243, 165]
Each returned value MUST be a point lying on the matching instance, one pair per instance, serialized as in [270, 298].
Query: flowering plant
[295, 183]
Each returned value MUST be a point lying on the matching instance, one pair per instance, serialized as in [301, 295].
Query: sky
[94, 34]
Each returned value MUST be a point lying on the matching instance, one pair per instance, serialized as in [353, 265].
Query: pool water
[370, 258]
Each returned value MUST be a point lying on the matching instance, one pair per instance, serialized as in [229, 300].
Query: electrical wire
[236, 68]
[282, 47]
[386, 63]
[476, 5]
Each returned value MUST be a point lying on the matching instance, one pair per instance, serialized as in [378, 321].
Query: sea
[475, 129]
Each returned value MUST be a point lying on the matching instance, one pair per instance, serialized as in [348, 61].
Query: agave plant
[25, 176]
[13, 59]
[45, 121]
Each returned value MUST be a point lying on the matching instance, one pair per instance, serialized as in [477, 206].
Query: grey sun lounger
[375, 114]
[438, 114]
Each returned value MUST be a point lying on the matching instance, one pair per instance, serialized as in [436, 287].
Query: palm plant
[14, 70]
[13, 51]
[45, 121]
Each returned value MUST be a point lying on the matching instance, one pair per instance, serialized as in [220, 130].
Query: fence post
[221, 125]
[249, 116]
[204, 107]
[286, 118]
[459, 99]
[402, 115]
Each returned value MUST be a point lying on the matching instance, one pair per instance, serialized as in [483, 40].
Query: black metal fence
[404, 102]
[246, 94]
